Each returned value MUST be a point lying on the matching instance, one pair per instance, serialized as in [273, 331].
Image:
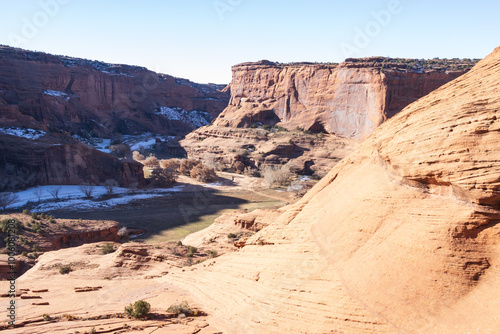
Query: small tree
[110, 186]
[276, 175]
[187, 166]
[239, 167]
[151, 162]
[38, 193]
[203, 174]
[87, 189]
[120, 150]
[140, 309]
[170, 163]
[163, 177]
[138, 156]
[54, 192]
[7, 199]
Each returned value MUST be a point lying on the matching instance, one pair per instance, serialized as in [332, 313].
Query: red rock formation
[60, 159]
[348, 100]
[403, 236]
[76, 94]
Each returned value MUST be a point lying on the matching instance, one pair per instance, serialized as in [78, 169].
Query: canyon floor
[109, 282]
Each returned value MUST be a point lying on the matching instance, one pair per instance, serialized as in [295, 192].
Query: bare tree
[38, 193]
[54, 192]
[7, 199]
[110, 186]
[87, 189]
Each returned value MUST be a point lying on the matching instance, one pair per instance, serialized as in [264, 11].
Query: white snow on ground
[72, 197]
[194, 117]
[145, 143]
[145, 140]
[56, 93]
[103, 145]
[24, 133]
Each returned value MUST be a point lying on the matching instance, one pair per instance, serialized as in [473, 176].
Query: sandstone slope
[402, 236]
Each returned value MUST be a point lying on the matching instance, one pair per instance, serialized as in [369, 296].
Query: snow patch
[23, 133]
[56, 93]
[195, 118]
[71, 197]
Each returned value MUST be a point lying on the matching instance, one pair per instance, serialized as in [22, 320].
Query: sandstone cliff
[349, 99]
[401, 236]
[74, 94]
[60, 159]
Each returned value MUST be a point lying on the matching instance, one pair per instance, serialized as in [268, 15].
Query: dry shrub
[173, 164]
[151, 162]
[203, 174]
[276, 175]
[187, 166]
[137, 156]
[163, 177]
[239, 167]
[120, 150]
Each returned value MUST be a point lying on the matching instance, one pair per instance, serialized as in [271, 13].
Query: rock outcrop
[77, 95]
[401, 236]
[60, 159]
[349, 99]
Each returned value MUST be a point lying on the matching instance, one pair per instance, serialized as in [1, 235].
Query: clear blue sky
[201, 39]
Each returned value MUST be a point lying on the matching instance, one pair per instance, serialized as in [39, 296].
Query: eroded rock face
[349, 100]
[401, 236]
[59, 159]
[73, 94]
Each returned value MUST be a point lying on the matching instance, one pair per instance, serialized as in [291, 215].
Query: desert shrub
[276, 175]
[151, 162]
[140, 309]
[266, 127]
[212, 254]
[191, 251]
[26, 212]
[203, 174]
[163, 177]
[120, 150]
[46, 317]
[65, 270]
[181, 308]
[7, 199]
[110, 186]
[108, 248]
[87, 189]
[187, 166]
[239, 167]
[173, 164]
[5, 225]
[138, 156]
[232, 236]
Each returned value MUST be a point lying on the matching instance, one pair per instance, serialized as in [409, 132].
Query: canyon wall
[61, 96]
[39, 90]
[402, 236]
[61, 160]
[350, 99]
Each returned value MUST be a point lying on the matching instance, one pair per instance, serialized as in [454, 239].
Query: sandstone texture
[254, 148]
[400, 237]
[350, 99]
[39, 90]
